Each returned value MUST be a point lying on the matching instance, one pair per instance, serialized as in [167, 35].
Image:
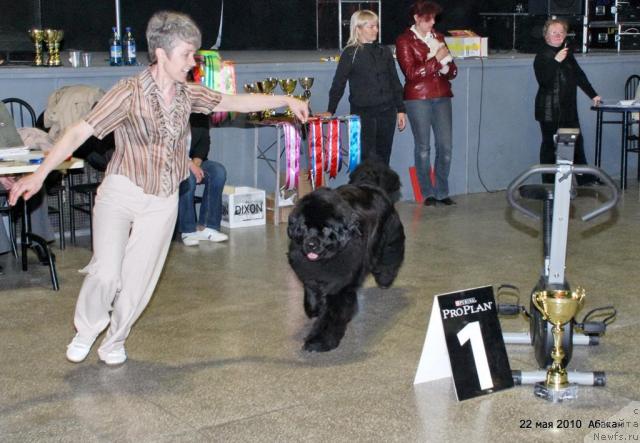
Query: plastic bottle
[129, 46]
[115, 48]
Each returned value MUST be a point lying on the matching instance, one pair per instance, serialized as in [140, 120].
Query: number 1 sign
[464, 340]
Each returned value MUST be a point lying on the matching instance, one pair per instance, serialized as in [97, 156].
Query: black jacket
[558, 84]
[373, 79]
[200, 137]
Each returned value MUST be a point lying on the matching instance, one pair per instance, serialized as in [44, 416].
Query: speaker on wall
[552, 7]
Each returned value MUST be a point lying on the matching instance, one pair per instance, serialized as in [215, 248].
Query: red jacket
[423, 79]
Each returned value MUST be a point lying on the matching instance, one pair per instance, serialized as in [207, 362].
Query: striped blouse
[151, 142]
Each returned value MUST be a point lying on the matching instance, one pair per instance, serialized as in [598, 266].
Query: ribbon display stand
[331, 141]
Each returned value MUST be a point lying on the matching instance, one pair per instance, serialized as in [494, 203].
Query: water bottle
[129, 48]
[115, 48]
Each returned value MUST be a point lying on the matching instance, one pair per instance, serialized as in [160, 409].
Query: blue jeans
[215, 176]
[423, 115]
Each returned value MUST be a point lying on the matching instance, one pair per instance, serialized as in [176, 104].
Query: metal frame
[340, 3]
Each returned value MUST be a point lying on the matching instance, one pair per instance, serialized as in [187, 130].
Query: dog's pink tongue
[312, 256]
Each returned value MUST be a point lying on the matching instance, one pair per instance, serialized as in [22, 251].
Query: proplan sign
[464, 340]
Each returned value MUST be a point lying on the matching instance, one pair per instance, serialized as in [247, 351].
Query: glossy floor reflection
[217, 354]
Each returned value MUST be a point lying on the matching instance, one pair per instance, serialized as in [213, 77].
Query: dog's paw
[311, 311]
[320, 344]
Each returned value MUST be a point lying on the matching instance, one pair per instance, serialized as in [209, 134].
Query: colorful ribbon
[315, 152]
[214, 73]
[353, 128]
[292, 154]
[332, 153]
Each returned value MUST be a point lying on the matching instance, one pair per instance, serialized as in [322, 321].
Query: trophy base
[570, 392]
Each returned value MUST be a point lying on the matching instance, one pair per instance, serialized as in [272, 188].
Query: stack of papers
[628, 103]
[15, 151]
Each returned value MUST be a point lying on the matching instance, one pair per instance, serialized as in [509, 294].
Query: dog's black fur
[338, 236]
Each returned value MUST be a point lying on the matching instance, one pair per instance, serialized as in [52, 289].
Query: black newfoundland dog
[338, 236]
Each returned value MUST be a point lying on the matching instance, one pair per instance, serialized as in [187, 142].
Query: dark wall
[247, 24]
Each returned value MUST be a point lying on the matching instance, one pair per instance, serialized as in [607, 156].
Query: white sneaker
[191, 238]
[78, 349]
[115, 357]
[211, 234]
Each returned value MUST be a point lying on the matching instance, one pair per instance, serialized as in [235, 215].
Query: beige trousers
[131, 237]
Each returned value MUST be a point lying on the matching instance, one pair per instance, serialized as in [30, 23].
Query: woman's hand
[402, 121]
[196, 170]
[561, 55]
[300, 108]
[26, 187]
[442, 52]
[596, 100]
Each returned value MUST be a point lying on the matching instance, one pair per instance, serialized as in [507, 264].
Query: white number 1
[472, 332]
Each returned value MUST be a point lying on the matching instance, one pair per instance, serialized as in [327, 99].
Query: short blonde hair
[359, 19]
[167, 28]
[554, 21]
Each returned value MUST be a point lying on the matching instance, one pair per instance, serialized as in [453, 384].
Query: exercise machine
[553, 303]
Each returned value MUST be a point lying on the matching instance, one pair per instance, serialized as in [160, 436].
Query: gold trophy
[37, 36]
[251, 88]
[52, 38]
[306, 83]
[266, 87]
[288, 85]
[558, 307]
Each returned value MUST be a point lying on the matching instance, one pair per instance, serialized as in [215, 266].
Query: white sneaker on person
[191, 238]
[78, 349]
[211, 234]
[115, 357]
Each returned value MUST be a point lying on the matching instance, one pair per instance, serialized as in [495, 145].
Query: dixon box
[243, 206]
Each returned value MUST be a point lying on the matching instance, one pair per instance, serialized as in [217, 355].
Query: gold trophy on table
[266, 87]
[251, 88]
[288, 85]
[52, 38]
[37, 36]
[558, 307]
[306, 83]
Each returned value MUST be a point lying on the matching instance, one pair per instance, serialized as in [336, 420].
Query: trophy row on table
[288, 86]
[50, 37]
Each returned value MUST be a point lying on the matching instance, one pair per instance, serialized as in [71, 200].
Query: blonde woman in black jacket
[375, 91]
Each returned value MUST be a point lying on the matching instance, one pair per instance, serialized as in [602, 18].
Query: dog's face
[321, 225]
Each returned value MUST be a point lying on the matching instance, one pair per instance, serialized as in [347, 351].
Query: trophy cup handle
[534, 300]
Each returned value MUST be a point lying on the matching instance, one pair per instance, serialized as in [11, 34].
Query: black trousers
[548, 150]
[377, 126]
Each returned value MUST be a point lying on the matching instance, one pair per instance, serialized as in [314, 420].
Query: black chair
[24, 116]
[633, 122]
[8, 211]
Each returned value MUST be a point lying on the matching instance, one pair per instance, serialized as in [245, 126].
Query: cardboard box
[304, 183]
[283, 211]
[243, 206]
[461, 47]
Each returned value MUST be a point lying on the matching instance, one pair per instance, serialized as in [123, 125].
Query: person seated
[214, 176]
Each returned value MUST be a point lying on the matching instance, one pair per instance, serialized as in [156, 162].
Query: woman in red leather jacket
[428, 68]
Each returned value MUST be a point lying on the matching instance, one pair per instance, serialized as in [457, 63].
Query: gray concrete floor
[217, 354]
